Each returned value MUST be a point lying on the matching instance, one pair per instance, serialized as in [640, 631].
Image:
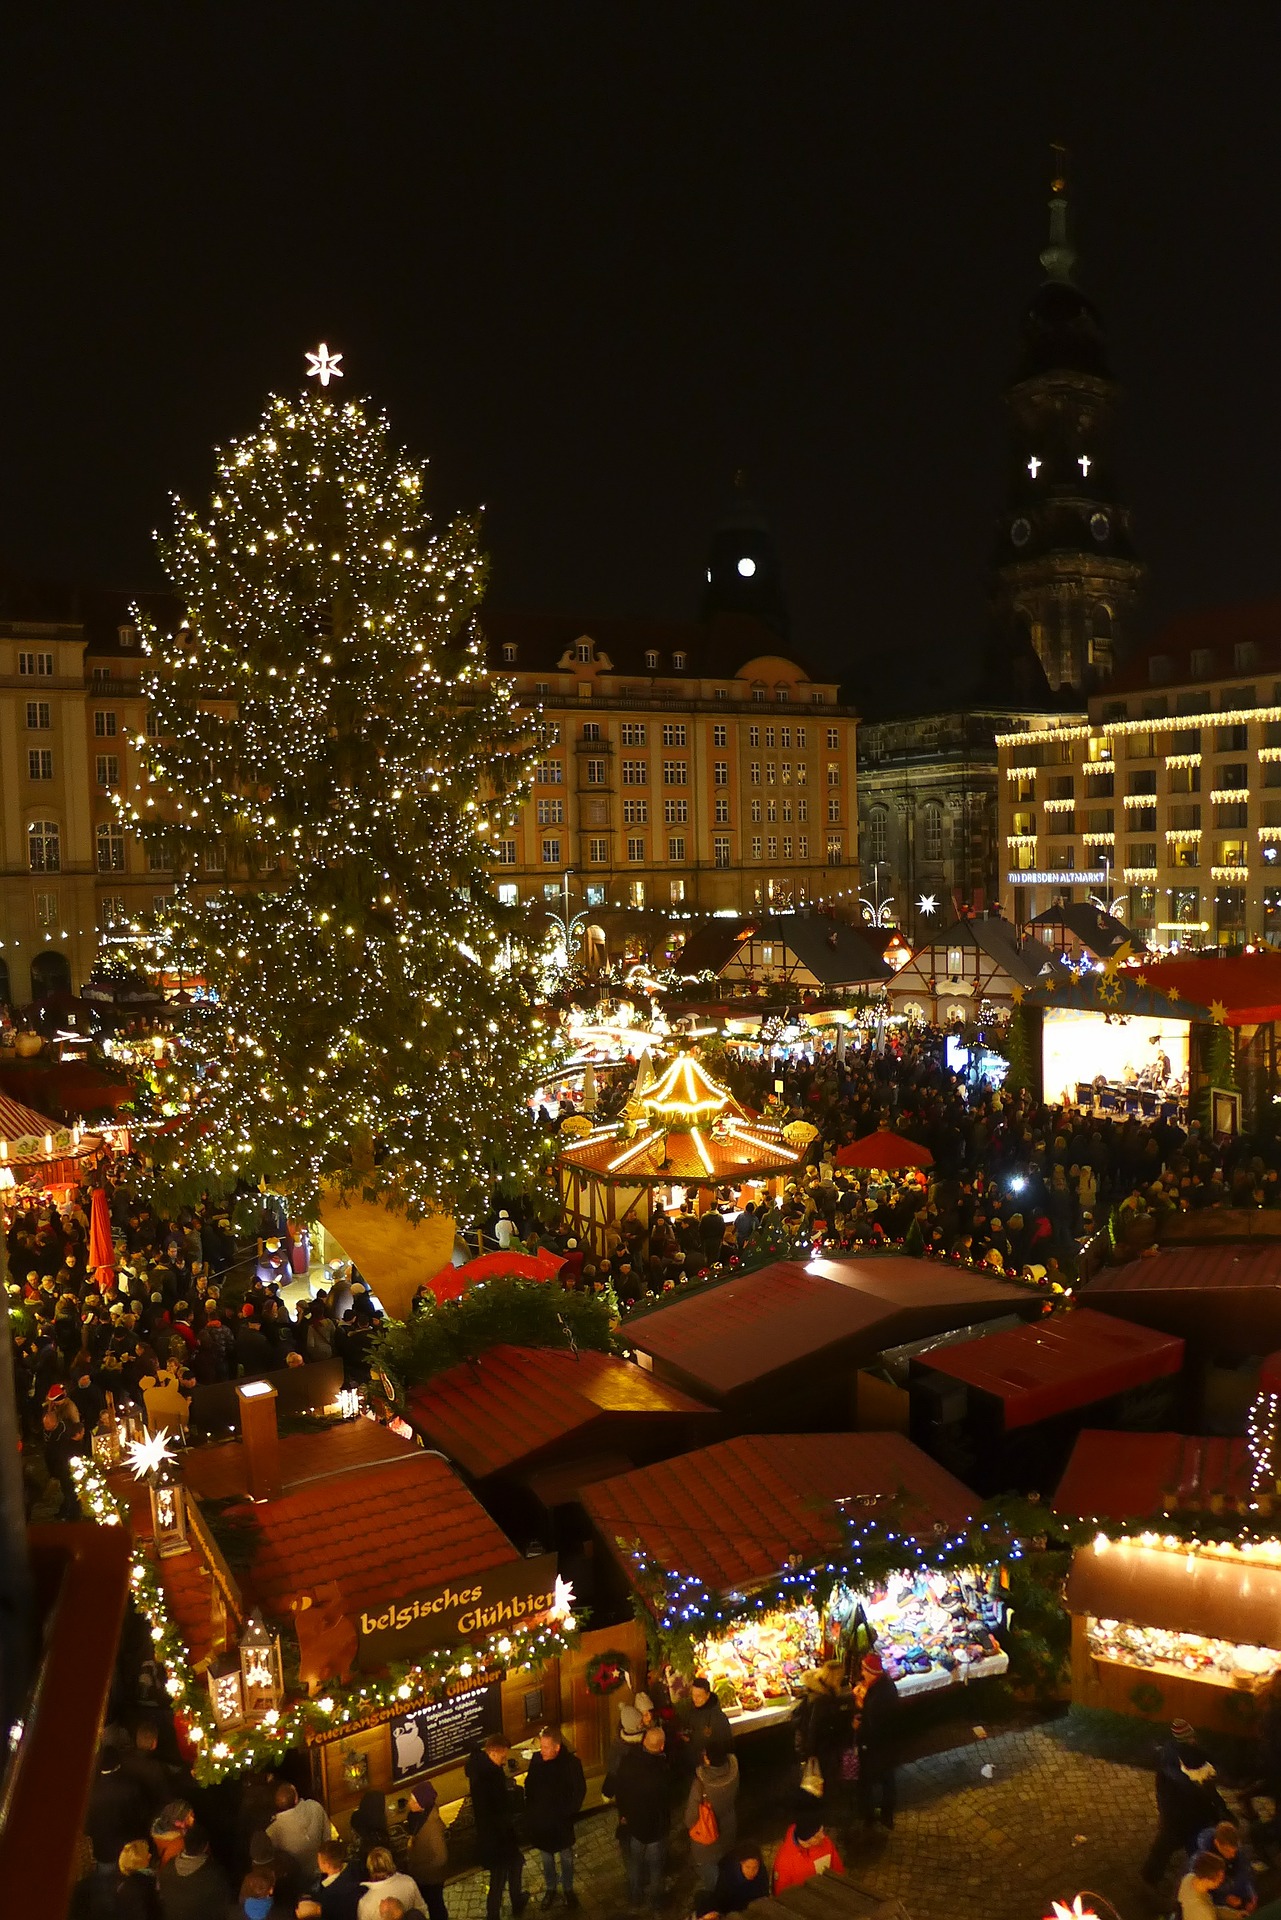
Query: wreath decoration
[607, 1672]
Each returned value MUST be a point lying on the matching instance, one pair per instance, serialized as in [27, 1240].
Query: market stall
[746, 1595]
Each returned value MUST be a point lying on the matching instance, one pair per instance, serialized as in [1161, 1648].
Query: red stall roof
[1246, 985]
[1135, 1476]
[1182, 1268]
[730, 1515]
[726, 1336]
[512, 1403]
[1046, 1368]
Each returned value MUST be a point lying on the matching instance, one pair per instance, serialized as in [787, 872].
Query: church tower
[1066, 576]
[743, 574]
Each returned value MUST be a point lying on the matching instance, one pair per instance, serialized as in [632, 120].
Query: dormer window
[1202, 664]
[583, 651]
[678, 662]
[1243, 656]
[651, 660]
[509, 651]
[127, 636]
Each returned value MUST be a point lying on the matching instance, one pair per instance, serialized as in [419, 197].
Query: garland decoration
[223, 1753]
[607, 1672]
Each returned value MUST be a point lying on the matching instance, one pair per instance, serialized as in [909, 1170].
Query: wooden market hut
[682, 1131]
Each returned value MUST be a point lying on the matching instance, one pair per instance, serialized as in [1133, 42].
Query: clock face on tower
[1021, 532]
[1100, 526]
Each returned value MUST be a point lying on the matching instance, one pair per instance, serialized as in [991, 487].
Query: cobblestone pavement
[1069, 1806]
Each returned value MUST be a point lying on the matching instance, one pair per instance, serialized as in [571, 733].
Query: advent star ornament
[927, 904]
[147, 1456]
[324, 365]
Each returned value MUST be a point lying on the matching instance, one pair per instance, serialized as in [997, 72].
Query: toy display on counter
[1189, 1654]
[931, 1629]
[757, 1667]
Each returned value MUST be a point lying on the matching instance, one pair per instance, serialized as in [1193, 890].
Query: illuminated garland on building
[328, 737]
[223, 1753]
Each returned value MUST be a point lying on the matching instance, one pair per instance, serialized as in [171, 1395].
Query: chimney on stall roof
[261, 1438]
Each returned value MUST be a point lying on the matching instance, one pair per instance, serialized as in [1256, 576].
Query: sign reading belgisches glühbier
[469, 1609]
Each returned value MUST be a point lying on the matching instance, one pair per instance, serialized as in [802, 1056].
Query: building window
[595, 773]
[509, 651]
[112, 909]
[772, 847]
[160, 858]
[756, 847]
[833, 738]
[932, 832]
[111, 848]
[720, 773]
[758, 693]
[152, 725]
[633, 733]
[785, 736]
[636, 773]
[802, 808]
[214, 859]
[721, 693]
[786, 767]
[541, 689]
[771, 772]
[722, 810]
[674, 736]
[108, 770]
[678, 661]
[756, 809]
[675, 773]
[104, 725]
[771, 809]
[583, 651]
[833, 849]
[505, 853]
[551, 850]
[635, 813]
[44, 847]
[720, 734]
[598, 850]
[769, 736]
[787, 847]
[781, 694]
[803, 847]
[753, 736]
[551, 813]
[833, 774]
[508, 893]
[720, 850]
[40, 763]
[676, 848]
[802, 773]
[787, 809]
[834, 811]
[754, 773]
[46, 909]
[39, 716]
[877, 836]
[676, 812]
[36, 666]
[651, 660]
[802, 736]
[636, 849]
[591, 729]
[550, 773]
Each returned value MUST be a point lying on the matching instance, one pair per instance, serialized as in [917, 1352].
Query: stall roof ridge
[1050, 1366]
[1211, 1268]
[1139, 1476]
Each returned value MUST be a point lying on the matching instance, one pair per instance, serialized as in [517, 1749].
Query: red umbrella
[885, 1151]
[452, 1282]
[102, 1252]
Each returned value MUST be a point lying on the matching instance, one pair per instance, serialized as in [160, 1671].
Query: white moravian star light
[927, 904]
[146, 1456]
[324, 365]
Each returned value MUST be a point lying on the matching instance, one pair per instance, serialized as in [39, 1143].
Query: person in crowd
[495, 1800]
[876, 1730]
[1237, 1890]
[555, 1788]
[701, 1717]
[337, 1890]
[258, 1900]
[824, 1722]
[141, 1761]
[117, 1812]
[193, 1886]
[383, 1881]
[740, 1880]
[715, 1788]
[631, 1732]
[806, 1850]
[1187, 1799]
[137, 1897]
[369, 1826]
[1199, 1888]
[428, 1848]
[643, 1790]
[298, 1829]
[169, 1829]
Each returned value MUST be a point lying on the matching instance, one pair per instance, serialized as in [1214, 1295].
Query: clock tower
[1066, 577]
[743, 574]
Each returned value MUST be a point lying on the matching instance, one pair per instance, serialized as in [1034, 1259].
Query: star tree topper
[148, 1456]
[324, 365]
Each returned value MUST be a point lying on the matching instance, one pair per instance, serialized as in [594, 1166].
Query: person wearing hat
[1187, 1799]
[631, 1731]
[806, 1851]
[504, 1231]
[875, 1733]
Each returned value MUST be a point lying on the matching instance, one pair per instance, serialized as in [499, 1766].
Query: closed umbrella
[102, 1252]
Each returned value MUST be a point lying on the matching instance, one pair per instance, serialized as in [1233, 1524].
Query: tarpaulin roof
[884, 1149]
[1180, 1269]
[1068, 1361]
[733, 1514]
[1246, 985]
[17, 1121]
[1136, 1476]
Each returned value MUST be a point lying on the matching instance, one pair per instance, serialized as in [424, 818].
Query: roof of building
[741, 1149]
[1053, 1365]
[1061, 333]
[1246, 985]
[995, 936]
[733, 1514]
[512, 1404]
[1213, 635]
[1100, 933]
[741, 1330]
[1209, 1269]
[1135, 1476]
[19, 1121]
[720, 646]
[836, 952]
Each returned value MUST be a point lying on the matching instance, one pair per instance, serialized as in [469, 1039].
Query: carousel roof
[20, 1122]
[686, 1091]
[739, 1149]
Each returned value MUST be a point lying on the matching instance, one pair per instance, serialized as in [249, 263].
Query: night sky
[593, 257]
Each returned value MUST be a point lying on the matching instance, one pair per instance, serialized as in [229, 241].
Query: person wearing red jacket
[806, 1851]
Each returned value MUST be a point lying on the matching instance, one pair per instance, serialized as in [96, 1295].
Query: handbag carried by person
[812, 1778]
[706, 1830]
[849, 1765]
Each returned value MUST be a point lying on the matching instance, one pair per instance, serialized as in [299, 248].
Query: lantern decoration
[226, 1695]
[260, 1671]
[106, 1443]
[350, 1403]
[168, 1511]
[355, 1769]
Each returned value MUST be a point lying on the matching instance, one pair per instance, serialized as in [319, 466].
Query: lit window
[110, 841]
[598, 850]
[720, 734]
[551, 851]
[508, 893]
[509, 651]
[833, 774]
[802, 773]
[636, 892]
[583, 651]
[651, 660]
[678, 661]
[677, 889]
[833, 849]
[46, 909]
[44, 847]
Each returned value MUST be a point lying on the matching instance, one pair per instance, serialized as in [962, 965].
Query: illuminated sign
[471, 1607]
[1058, 877]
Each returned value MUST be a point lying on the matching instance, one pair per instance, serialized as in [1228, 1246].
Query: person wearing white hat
[504, 1231]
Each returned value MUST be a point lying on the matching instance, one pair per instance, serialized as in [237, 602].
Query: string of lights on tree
[223, 1753]
[328, 738]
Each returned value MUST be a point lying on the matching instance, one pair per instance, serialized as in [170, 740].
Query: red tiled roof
[1220, 630]
[1134, 1476]
[730, 1515]
[219, 1473]
[1180, 1269]
[746, 1328]
[515, 1402]
[1052, 1365]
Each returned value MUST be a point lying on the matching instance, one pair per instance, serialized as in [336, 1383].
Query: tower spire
[1059, 257]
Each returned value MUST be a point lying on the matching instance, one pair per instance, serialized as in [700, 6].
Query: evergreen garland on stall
[493, 1313]
[329, 739]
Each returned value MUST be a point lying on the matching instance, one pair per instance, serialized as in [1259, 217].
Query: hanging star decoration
[324, 365]
[1218, 1013]
[1172, 994]
[147, 1456]
[1077, 1910]
[1111, 988]
[1017, 996]
[927, 904]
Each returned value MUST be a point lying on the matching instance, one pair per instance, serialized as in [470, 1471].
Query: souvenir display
[1188, 1654]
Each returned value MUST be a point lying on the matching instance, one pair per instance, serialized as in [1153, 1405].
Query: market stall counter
[770, 1580]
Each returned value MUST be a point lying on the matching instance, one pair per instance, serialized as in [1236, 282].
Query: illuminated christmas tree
[327, 737]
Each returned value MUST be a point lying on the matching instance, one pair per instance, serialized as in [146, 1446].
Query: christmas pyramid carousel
[679, 1134]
